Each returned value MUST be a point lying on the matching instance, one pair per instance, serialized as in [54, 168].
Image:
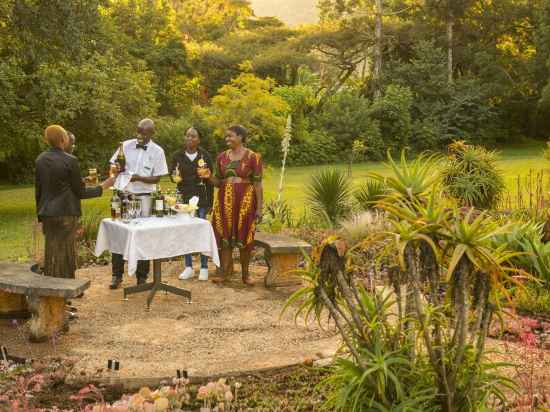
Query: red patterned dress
[234, 214]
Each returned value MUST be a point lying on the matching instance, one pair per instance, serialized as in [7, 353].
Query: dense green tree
[248, 100]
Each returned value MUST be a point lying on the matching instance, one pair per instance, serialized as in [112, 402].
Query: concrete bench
[282, 254]
[21, 290]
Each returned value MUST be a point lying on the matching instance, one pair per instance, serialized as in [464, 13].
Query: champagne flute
[138, 208]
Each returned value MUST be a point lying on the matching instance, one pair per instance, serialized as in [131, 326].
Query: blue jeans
[204, 259]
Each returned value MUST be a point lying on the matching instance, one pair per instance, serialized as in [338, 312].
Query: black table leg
[155, 286]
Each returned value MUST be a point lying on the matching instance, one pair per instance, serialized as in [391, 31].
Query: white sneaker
[203, 274]
[187, 273]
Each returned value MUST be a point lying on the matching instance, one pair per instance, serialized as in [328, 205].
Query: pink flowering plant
[217, 396]
[532, 393]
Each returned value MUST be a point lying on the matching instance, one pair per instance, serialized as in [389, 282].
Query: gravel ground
[225, 329]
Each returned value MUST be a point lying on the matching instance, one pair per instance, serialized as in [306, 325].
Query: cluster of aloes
[431, 248]
[217, 396]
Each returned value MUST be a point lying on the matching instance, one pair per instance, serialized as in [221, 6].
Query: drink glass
[202, 170]
[113, 170]
[137, 208]
[92, 177]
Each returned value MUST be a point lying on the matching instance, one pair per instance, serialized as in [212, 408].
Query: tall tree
[449, 11]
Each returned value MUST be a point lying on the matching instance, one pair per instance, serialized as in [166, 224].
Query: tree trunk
[450, 41]
[377, 70]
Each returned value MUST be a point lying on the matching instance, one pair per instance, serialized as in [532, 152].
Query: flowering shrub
[215, 396]
[532, 392]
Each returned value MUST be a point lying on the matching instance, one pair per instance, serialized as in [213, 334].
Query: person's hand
[206, 174]
[109, 182]
[259, 216]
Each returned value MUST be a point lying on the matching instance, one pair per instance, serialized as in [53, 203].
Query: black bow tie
[141, 146]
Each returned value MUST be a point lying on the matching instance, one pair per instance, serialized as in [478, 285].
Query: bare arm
[214, 180]
[145, 179]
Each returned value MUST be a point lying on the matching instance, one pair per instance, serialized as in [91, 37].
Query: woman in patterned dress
[239, 202]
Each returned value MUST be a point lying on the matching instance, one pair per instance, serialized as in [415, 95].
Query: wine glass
[113, 170]
[202, 168]
[137, 208]
[92, 177]
[176, 177]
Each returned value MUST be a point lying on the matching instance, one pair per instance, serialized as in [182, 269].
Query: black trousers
[117, 262]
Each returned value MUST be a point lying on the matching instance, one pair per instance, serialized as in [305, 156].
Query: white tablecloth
[156, 238]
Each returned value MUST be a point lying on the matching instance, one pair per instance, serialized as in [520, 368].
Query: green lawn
[17, 202]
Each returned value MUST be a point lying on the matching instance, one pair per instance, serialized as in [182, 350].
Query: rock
[322, 363]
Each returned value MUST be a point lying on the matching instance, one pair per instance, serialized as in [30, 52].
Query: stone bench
[282, 254]
[21, 291]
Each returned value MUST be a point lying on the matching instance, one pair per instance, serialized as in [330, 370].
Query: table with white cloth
[155, 238]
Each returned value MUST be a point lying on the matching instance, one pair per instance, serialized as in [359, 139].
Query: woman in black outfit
[187, 161]
[58, 190]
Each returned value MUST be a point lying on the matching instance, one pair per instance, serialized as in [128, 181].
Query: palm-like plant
[329, 195]
[411, 180]
[369, 193]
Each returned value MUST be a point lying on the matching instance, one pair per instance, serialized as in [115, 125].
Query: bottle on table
[125, 207]
[167, 204]
[115, 206]
[121, 158]
[159, 203]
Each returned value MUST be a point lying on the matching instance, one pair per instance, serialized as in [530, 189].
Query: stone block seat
[22, 290]
[282, 254]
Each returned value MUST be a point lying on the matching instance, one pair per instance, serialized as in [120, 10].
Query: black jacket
[190, 183]
[59, 186]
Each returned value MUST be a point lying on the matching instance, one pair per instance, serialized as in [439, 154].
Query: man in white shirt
[145, 164]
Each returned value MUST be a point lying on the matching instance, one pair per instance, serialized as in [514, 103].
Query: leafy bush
[392, 111]
[345, 117]
[329, 195]
[370, 192]
[318, 148]
[534, 255]
[278, 214]
[471, 176]
[533, 299]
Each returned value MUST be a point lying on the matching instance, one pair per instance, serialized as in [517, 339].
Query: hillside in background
[292, 12]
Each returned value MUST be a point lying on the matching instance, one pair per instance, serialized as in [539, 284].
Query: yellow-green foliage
[248, 101]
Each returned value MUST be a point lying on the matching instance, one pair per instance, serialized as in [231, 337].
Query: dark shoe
[115, 282]
[37, 269]
[141, 281]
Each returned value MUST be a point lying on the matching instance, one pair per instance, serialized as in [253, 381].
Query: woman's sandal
[219, 280]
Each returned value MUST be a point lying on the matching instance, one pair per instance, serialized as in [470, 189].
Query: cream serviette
[122, 181]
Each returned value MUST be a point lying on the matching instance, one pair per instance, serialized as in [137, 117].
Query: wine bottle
[167, 204]
[115, 206]
[121, 158]
[159, 203]
[125, 206]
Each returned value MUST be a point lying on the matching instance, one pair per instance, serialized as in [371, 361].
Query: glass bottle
[121, 158]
